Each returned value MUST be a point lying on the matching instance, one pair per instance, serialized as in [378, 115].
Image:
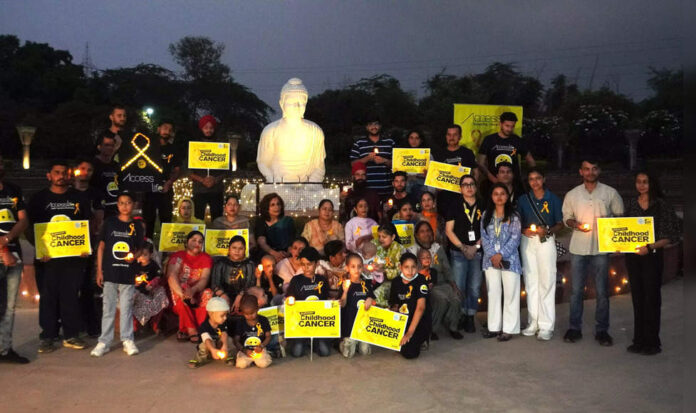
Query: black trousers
[59, 283]
[214, 199]
[412, 349]
[645, 277]
[90, 309]
[155, 204]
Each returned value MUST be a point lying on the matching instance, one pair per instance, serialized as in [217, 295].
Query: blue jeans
[13, 276]
[120, 295]
[298, 345]
[468, 276]
[579, 266]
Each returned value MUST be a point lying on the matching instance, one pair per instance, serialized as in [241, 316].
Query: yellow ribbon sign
[379, 326]
[404, 234]
[624, 234]
[62, 239]
[319, 319]
[142, 163]
[479, 121]
[209, 155]
[274, 318]
[411, 160]
[217, 241]
[445, 176]
[173, 235]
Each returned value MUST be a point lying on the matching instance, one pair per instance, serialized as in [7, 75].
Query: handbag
[560, 249]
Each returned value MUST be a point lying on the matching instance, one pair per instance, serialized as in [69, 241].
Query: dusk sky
[332, 43]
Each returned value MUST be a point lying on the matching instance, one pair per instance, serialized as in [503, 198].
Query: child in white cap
[213, 334]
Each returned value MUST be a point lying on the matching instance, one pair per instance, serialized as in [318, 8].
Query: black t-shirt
[95, 198]
[252, 336]
[214, 332]
[499, 150]
[356, 293]
[105, 182]
[303, 288]
[405, 297]
[277, 281]
[431, 277]
[150, 271]
[462, 225]
[47, 206]
[120, 238]
[11, 202]
[461, 156]
[170, 159]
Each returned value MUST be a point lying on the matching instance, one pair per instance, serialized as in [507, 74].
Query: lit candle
[37, 297]
[532, 228]
[617, 289]
[221, 354]
[25, 293]
[346, 285]
[370, 267]
[255, 355]
[77, 172]
[390, 202]
[291, 300]
[129, 257]
[376, 150]
[141, 279]
[586, 227]
[260, 267]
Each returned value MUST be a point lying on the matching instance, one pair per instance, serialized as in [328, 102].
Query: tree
[200, 58]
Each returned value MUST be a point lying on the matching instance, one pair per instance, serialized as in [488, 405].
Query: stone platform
[298, 197]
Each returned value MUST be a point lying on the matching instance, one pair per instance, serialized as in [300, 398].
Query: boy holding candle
[252, 335]
[213, 334]
[354, 292]
[120, 244]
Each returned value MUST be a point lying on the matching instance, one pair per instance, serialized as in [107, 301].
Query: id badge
[497, 247]
[472, 236]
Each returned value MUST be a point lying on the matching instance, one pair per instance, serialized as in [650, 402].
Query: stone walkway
[479, 375]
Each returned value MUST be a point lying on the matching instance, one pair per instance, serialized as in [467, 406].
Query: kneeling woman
[500, 237]
[409, 295]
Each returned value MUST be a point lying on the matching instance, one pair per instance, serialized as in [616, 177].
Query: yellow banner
[319, 319]
[173, 235]
[445, 176]
[209, 155]
[624, 234]
[411, 160]
[379, 326]
[404, 234]
[273, 316]
[217, 241]
[62, 239]
[479, 121]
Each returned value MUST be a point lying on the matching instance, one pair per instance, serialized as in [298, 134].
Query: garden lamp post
[234, 138]
[26, 135]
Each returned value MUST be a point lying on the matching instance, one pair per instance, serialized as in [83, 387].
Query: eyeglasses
[468, 185]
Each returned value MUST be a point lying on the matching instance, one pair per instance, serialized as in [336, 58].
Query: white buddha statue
[291, 149]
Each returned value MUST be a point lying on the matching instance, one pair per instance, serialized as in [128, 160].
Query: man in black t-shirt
[59, 279]
[105, 175]
[504, 146]
[454, 154]
[391, 205]
[161, 203]
[13, 221]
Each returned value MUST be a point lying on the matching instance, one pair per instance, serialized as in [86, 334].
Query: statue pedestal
[299, 198]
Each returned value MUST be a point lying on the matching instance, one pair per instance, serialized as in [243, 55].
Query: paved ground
[475, 374]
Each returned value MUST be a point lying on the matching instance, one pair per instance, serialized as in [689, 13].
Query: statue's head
[293, 99]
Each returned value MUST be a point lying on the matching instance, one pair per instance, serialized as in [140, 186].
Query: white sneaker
[529, 331]
[99, 350]
[544, 335]
[130, 348]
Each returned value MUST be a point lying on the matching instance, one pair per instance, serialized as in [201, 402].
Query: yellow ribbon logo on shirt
[408, 294]
[435, 259]
[240, 274]
[77, 208]
[362, 284]
[319, 285]
[131, 229]
[14, 202]
[259, 330]
[478, 214]
[545, 207]
[141, 153]
[357, 231]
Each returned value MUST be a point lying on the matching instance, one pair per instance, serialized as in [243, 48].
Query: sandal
[194, 339]
[194, 364]
[182, 336]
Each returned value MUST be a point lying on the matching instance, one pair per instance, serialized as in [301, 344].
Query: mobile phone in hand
[505, 264]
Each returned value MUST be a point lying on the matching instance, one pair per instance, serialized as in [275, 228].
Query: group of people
[493, 227]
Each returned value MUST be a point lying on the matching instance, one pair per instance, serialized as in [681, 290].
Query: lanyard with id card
[470, 216]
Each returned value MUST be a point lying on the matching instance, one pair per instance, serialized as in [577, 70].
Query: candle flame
[260, 267]
[376, 150]
[221, 354]
[37, 297]
[141, 279]
[78, 172]
[532, 228]
[370, 267]
[390, 202]
[255, 355]
[25, 293]
[291, 300]
[129, 256]
[346, 284]
[586, 226]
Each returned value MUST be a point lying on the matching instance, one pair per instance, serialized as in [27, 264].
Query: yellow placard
[318, 319]
[274, 318]
[173, 235]
[404, 234]
[379, 326]
[217, 241]
[479, 121]
[411, 160]
[62, 239]
[445, 176]
[209, 155]
[625, 234]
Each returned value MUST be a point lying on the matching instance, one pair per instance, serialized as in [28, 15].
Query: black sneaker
[490, 334]
[651, 351]
[75, 342]
[46, 346]
[469, 324]
[572, 335]
[434, 336]
[635, 348]
[604, 339]
[12, 357]
[456, 335]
